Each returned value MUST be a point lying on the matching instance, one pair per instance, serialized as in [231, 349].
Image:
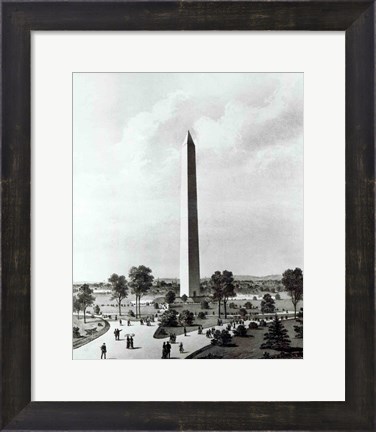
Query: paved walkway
[145, 346]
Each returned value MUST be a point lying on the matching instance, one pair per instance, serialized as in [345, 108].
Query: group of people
[117, 334]
[166, 349]
[130, 342]
[210, 332]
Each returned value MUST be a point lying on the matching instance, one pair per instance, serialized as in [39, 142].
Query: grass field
[247, 347]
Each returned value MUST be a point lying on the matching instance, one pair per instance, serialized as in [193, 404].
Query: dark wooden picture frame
[357, 18]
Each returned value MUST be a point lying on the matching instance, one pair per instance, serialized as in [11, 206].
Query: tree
[97, 309]
[186, 317]
[119, 288]
[276, 337]
[201, 315]
[228, 288]
[140, 280]
[248, 305]
[216, 287]
[222, 286]
[169, 318]
[293, 283]
[86, 298]
[243, 312]
[184, 298]
[170, 297]
[77, 306]
[267, 304]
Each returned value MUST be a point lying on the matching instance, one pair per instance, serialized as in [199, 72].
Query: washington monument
[189, 249]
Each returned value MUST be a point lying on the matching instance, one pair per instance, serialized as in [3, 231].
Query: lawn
[247, 347]
[89, 330]
[209, 322]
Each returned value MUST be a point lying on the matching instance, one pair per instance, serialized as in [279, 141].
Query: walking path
[145, 345]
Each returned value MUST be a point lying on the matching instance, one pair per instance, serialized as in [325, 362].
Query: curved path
[145, 345]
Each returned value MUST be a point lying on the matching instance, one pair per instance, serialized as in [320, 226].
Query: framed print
[163, 196]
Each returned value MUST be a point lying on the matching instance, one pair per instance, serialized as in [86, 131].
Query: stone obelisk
[189, 249]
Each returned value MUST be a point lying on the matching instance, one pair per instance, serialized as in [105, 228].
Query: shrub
[233, 306]
[253, 326]
[277, 297]
[248, 305]
[241, 331]
[254, 298]
[201, 315]
[156, 306]
[100, 325]
[76, 332]
[221, 338]
[298, 332]
[186, 317]
[131, 313]
[97, 309]
[169, 318]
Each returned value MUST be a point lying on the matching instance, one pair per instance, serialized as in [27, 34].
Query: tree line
[140, 280]
[223, 287]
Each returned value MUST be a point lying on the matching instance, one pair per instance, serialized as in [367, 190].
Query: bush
[298, 332]
[76, 332]
[100, 325]
[156, 306]
[248, 305]
[131, 313]
[201, 315]
[254, 298]
[97, 309]
[253, 326]
[186, 317]
[169, 318]
[241, 331]
[221, 338]
[277, 297]
[233, 306]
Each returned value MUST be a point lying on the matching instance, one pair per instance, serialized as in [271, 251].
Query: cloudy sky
[127, 134]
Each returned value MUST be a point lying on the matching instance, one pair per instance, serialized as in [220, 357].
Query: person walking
[168, 349]
[103, 351]
[120, 322]
[181, 349]
[164, 351]
[131, 341]
[128, 342]
[185, 331]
